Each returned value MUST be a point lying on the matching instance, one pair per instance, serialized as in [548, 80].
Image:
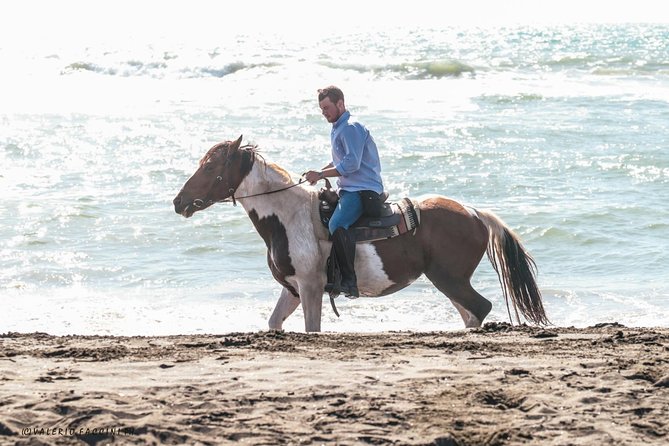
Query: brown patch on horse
[447, 239]
[218, 176]
[273, 232]
[237, 163]
[216, 150]
[452, 235]
[402, 262]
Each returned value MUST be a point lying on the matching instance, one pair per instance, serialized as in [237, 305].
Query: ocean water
[562, 130]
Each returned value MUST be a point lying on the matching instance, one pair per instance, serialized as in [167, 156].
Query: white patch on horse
[293, 211]
[372, 279]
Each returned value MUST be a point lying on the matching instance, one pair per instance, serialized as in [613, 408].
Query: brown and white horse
[446, 247]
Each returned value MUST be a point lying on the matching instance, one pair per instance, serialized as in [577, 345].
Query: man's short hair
[332, 92]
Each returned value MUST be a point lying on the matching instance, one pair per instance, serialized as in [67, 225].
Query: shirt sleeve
[352, 140]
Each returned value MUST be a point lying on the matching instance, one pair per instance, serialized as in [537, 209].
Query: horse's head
[217, 177]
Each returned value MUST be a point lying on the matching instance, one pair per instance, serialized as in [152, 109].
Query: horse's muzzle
[183, 207]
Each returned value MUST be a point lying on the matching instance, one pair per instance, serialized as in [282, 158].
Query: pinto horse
[447, 246]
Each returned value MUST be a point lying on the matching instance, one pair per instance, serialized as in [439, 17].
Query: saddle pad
[405, 218]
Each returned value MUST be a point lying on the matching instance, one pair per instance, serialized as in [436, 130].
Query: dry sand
[498, 385]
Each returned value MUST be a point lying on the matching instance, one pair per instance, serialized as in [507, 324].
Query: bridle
[200, 203]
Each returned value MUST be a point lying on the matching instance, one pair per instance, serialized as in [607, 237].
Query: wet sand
[498, 385]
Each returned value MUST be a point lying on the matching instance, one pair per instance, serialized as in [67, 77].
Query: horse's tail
[515, 269]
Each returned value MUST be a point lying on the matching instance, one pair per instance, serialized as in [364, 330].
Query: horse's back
[441, 204]
[443, 208]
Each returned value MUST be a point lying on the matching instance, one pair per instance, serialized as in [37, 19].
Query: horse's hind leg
[473, 307]
[284, 307]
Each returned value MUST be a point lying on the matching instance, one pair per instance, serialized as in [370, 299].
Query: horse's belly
[372, 277]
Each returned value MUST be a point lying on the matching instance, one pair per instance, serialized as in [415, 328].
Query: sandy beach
[498, 385]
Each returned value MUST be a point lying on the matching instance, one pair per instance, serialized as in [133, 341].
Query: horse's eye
[208, 167]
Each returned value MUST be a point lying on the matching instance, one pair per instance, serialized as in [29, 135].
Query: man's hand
[313, 176]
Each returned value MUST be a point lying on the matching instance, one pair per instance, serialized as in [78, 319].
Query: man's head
[331, 102]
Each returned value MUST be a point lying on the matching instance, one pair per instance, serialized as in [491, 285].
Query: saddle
[393, 218]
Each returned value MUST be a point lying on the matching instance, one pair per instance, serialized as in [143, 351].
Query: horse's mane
[251, 148]
[253, 151]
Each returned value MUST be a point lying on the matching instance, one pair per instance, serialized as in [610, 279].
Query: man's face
[331, 111]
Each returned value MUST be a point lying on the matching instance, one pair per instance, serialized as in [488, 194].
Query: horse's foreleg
[284, 307]
[312, 304]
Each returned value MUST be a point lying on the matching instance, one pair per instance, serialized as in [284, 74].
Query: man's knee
[334, 225]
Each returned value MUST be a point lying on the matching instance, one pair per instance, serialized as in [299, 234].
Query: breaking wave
[409, 70]
[161, 69]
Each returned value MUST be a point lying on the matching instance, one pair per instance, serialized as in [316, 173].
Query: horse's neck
[264, 178]
[289, 215]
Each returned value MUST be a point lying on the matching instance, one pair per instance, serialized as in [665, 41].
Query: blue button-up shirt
[355, 156]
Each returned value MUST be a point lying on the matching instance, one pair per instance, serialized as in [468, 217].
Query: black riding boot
[344, 247]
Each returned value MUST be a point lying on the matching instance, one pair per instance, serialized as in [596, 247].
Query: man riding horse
[446, 243]
[355, 161]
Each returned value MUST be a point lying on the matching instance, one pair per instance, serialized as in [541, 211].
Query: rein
[234, 199]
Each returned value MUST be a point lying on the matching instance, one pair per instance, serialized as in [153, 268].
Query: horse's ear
[235, 145]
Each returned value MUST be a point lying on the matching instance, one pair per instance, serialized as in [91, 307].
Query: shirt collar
[343, 118]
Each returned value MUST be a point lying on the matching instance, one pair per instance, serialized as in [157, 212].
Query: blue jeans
[349, 209]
